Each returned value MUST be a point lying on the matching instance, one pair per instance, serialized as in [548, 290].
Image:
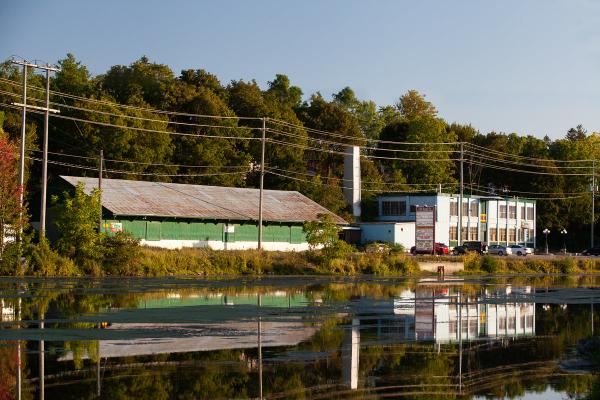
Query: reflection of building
[8, 311]
[446, 315]
[351, 354]
[217, 327]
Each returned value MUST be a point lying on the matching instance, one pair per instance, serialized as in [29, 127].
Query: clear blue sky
[513, 66]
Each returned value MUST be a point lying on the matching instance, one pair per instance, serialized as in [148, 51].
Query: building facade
[171, 215]
[489, 219]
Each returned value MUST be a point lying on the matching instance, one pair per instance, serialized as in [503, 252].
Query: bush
[121, 254]
[490, 264]
[43, 261]
[566, 265]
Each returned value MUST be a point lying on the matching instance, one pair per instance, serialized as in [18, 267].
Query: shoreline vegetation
[126, 258]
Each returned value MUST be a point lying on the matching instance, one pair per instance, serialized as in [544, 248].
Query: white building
[489, 219]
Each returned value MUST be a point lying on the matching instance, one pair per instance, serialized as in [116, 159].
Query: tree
[323, 232]
[77, 217]
[10, 209]
[413, 105]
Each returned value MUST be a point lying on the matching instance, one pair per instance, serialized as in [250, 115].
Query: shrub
[44, 261]
[121, 254]
[490, 264]
[566, 265]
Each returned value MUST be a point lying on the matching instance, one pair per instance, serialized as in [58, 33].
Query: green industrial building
[172, 215]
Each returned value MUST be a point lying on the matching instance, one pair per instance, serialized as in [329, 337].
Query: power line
[142, 129]
[470, 161]
[344, 187]
[168, 122]
[499, 160]
[152, 110]
[485, 149]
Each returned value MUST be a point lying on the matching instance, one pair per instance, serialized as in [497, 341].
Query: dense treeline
[298, 155]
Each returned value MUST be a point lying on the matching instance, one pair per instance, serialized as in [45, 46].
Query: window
[453, 208]
[474, 209]
[512, 212]
[473, 233]
[512, 235]
[454, 233]
[465, 209]
[530, 321]
[393, 208]
[503, 234]
[413, 209]
[493, 235]
[502, 323]
[522, 212]
[452, 327]
[463, 233]
[524, 234]
[530, 213]
[511, 322]
[503, 211]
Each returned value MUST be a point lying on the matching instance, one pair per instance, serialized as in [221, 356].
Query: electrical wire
[113, 104]
[136, 128]
[485, 149]
[521, 170]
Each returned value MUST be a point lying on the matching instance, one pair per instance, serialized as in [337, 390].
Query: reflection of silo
[350, 353]
[424, 314]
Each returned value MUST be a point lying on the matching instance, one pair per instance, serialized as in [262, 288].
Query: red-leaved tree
[9, 192]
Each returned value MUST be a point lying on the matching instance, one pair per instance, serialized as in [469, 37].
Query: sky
[524, 66]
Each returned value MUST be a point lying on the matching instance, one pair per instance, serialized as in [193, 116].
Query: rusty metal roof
[159, 199]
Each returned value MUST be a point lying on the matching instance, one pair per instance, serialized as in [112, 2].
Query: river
[298, 338]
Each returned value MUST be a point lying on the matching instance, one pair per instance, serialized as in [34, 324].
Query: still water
[298, 338]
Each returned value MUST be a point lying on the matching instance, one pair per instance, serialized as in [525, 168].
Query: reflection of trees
[488, 368]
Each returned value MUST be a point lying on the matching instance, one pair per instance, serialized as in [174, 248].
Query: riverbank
[153, 262]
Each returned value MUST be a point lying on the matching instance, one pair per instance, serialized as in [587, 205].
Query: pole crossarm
[52, 110]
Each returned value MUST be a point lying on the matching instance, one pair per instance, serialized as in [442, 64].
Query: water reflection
[298, 338]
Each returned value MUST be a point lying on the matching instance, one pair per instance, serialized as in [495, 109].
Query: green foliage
[322, 233]
[490, 264]
[121, 255]
[43, 261]
[77, 218]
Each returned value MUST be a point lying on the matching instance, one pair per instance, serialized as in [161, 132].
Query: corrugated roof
[159, 199]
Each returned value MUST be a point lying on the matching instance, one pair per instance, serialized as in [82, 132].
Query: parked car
[519, 250]
[594, 251]
[438, 248]
[498, 249]
[466, 247]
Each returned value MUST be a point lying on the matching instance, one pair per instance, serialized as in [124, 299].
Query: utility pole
[48, 68]
[25, 64]
[460, 197]
[593, 198]
[47, 110]
[262, 178]
[100, 168]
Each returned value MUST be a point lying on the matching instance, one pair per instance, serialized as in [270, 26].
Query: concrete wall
[219, 245]
[395, 232]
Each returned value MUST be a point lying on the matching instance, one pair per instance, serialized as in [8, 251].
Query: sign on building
[116, 227]
[425, 229]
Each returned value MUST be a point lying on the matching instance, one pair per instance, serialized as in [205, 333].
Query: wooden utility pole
[100, 169]
[47, 110]
[262, 178]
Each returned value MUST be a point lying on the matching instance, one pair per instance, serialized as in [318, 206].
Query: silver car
[519, 250]
[498, 250]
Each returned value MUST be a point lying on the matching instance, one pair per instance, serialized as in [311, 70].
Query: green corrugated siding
[297, 234]
[202, 231]
[246, 233]
[136, 228]
[153, 230]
